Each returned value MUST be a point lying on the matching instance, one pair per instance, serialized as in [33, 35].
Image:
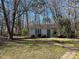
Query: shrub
[61, 36]
[73, 34]
[54, 33]
[32, 36]
[48, 36]
[39, 35]
[24, 31]
[43, 36]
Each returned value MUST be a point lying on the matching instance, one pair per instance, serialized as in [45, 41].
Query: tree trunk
[2, 29]
[27, 21]
[10, 28]
[6, 18]
[11, 36]
[19, 26]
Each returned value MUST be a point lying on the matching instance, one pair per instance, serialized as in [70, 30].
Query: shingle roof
[42, 26]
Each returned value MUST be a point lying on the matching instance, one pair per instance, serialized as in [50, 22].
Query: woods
[39, 29]
[17, 15]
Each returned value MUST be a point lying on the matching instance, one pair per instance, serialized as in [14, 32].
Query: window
[38, 31]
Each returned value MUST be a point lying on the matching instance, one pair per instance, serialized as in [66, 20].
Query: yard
[27, 25]
[36, 48]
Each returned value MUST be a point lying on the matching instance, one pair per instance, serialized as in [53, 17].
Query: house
[41, 29]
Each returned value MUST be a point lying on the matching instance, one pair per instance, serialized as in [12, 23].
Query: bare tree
[26, 7]
[10, 27]
[55, 9]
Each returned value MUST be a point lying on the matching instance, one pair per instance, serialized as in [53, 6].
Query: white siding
[32, 31]
[44, 32]
[51, 33]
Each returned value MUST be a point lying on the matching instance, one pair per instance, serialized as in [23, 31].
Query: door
[38, 32]
[48, 32]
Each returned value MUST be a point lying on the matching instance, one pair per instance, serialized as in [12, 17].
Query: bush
[61, 36]
[48, 36]
[24, 31]
[54, 33]
[43, 36]
[73, 34]
[32, 36]
[39, 35]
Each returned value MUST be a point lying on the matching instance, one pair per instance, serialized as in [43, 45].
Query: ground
[40, 48]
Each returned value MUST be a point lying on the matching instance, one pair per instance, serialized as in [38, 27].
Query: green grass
[40, 48]
[61, 39]
[30, 50]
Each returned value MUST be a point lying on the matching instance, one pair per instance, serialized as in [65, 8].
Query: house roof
[42, 26]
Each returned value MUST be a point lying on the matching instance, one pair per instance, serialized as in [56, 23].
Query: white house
[42, 29]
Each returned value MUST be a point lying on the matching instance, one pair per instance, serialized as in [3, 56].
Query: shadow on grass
[33, 42]
[21, 40]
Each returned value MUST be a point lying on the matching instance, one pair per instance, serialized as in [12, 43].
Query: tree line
[11, 12]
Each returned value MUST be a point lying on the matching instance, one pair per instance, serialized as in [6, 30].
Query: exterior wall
[44, 32]
[51, 33]
[32, 31]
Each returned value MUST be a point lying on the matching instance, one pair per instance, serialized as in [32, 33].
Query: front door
[48, 32]
[38, 32]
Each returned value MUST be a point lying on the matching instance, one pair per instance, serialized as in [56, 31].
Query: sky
[41, 16]
[63, 8]
[31, 17]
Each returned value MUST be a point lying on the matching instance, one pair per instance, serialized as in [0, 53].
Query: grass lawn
[64, 41]
[40, 48]
[77, 56]
[30, 50]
